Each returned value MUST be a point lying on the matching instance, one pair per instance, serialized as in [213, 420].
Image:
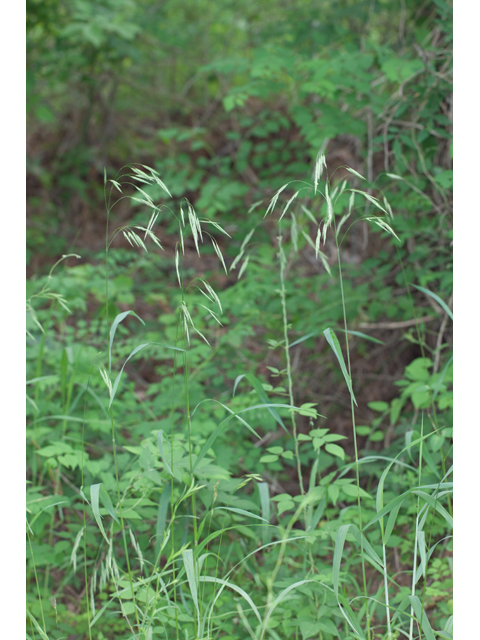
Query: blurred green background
[228, 101]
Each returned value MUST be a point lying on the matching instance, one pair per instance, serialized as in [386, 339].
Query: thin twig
[395, 325]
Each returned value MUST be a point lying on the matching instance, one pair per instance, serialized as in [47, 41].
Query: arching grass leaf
[334, 343]
[115, 323]
[445, 307]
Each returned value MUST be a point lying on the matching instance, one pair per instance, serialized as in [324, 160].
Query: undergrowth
[165, 509]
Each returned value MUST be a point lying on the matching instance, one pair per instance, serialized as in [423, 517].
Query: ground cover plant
[166, 532]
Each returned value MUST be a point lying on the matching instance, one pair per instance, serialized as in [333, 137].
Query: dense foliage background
[228, 102]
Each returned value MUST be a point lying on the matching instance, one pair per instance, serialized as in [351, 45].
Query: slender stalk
[84, 511]
[283, 547]
[107, 323]
[172, 477]
[287, 357]
[352, 410]
[190, 453]
[210, 624]
[420, 457]
[190, 446]
[385, 582]
[36, 581]
[114, 446]
[66, 398]
[120, 510]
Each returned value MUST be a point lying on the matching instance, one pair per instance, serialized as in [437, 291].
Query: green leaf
[264, 499]
[335, 450]
[361, 335]
[107, 503]
[433, 502]
[100, 613]
[378, 406]
[417, 370]
[369, 551]
[392, 518]
[278, 599]
[337, 555]
[333, 342]
[162, 517]
[162, 453]
[399, 69]
[285, 505]
[188, 561]
[216, 433]
[328, 626]
[333, 493]
[136, 350]
[352, 490]
[37, 626]
[275, 450]
[334, 437]
[257, 385]
[422, 552]
[55, 449]
[94, 496]
[242, 512]
[351, 618]
[226, 583]
[269, 458]
[437, 299]
[313, 520]
[396, 407]
[303, 338]
[421, 616]
[310, 628]
[116, 322]
[117, 379]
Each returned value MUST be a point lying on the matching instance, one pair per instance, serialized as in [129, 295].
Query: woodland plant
[171, 543]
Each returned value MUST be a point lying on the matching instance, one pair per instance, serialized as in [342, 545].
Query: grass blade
[361, 335]
[187, 555]
[37, 626]
[264, 492]
[162, 453]
[231, 585]
[278, 599]
[94, 496]
[257, 385]
[241, 512]
[334, 343]
[136, 350]
[421, 615]
[432, 502]
[116, 322]
[107, 503]
[337, 555]
[445, 307]
[162, 517]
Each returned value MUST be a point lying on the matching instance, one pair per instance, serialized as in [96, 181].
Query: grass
[176, 542]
